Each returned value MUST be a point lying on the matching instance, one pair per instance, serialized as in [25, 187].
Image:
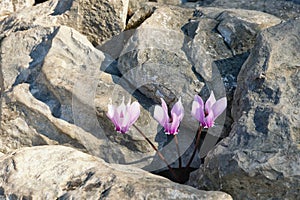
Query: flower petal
[174, 125]
[165, 109]
[219, 107]
[159, 115]
[209, 120]
[123, 116]
[178, 110]
[111, 111]
[134, 111]
[198, 109]
[121, 109]
[210, 102]
[125, 123]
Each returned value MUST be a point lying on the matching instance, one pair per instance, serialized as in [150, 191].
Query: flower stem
[158, 152]
[178, 151]
[196, 146]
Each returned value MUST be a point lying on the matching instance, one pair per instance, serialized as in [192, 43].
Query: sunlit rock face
[261, 153]
[63, 62]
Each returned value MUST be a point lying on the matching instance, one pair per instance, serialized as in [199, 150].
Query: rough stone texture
[280, 8]
[27, 18]
[98, 20]
[57, 172]
[175, 44]
[218, 55]
[153, 62]
[54, 71]
[140, 15]
[169, 2]
[27, 121]
[261, 155]
[135, 5]
[56, 92]
[8, 6]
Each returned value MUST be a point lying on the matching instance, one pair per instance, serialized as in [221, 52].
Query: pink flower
[170, 124]
[124, 115]
[207, 114]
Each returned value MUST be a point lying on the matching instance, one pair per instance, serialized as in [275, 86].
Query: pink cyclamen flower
[206, 114]
[123, 116]
[170, 124]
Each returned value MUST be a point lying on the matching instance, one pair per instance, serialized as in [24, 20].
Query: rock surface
[57, 172]
[280, 8]
[8, 6]
[73, 96]
[177, 44]
[56, 87]
[261, 155]
[98, 20]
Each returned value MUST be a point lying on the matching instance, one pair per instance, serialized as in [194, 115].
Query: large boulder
[260, 158]
[57, 86]
[179, 52]
[280, 8]
[58, 172]
[98, 20]
[7, 6]
[66, 91]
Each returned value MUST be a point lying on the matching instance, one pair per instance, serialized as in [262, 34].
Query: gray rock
[225, 56]
[29, 122]
[66, 90]
[57, 172]
[56, 90]
[261, 155]
[154, 62]
[176, 44]
[280, 8]
[169, 2]
[135, 5]
[99, 21]
[7, 6]
[140, 15]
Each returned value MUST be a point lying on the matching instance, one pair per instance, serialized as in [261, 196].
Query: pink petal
[210, 102]
[174, 125]
[112, 114]
[134, 111]
[160, 115]
[165, 109]
[209, 120]
[199, 100]
[198, 109]
[219, 107]
[118, 120]
[121, 108]
[111, 111]
[125, 123]
[178, 110]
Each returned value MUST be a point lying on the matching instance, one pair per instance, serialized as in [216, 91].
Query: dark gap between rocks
[1, 84]
[183, 174]
[39, 1]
